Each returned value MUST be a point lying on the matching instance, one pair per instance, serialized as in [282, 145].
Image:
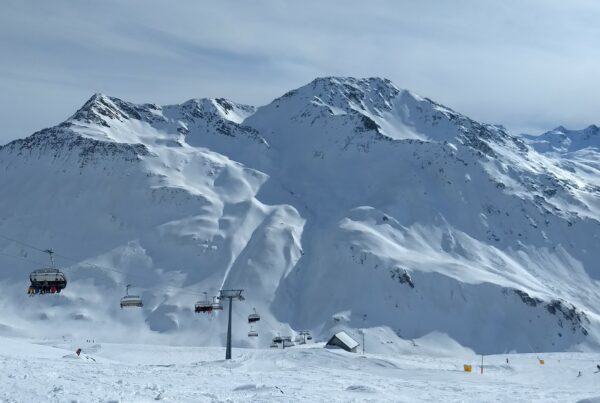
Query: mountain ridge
[563, 140]
[346, 203]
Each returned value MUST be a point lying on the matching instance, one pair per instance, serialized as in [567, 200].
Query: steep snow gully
[344, 204]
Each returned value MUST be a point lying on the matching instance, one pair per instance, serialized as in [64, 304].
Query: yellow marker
[468, 368]
[541, 361]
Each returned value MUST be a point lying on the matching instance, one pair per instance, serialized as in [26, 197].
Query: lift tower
[230, 295]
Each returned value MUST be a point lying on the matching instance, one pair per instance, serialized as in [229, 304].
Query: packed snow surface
[46, 370]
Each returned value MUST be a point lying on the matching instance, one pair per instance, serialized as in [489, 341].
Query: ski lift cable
[77, 261]
[22, 243]
[100, 267]
[80, 263]
[36, 263]
[33, 262]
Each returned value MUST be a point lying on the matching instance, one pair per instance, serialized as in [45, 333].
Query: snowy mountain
[344, 204]
[563, 140]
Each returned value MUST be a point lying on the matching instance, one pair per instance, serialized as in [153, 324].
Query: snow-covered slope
[117, 186]
[49, 371]
[346, 203]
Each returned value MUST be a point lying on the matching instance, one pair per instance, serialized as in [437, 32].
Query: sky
[530, 65]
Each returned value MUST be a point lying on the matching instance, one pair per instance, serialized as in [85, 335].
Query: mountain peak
[589, 129]
[224, 108]
[376, 106]
[353, 81]
[356, 91]
[345, 90]
[101, 109]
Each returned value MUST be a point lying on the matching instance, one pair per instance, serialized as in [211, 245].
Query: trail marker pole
[482, 364]
[230, 295]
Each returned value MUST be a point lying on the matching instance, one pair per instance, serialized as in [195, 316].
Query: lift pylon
[230, 295]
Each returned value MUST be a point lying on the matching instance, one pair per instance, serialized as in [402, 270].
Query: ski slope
[46, 370]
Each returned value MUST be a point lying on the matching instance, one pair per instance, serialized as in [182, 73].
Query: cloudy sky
[528, 64]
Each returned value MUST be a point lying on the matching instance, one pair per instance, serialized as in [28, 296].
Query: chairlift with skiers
[47, 280]
[204, 306]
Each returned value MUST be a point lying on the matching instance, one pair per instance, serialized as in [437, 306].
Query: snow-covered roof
[346, 339]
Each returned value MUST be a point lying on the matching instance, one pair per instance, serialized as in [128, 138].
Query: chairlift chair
[48, 280]
[305, 335]
[277, 339]
[286, 341]
[274, 345]
[204, 306]
[253, 317]
[131, 301]
[252, 333]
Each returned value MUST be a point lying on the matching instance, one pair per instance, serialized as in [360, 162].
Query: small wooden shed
[344, 341]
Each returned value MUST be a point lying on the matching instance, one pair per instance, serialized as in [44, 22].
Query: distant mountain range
[563, 140]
